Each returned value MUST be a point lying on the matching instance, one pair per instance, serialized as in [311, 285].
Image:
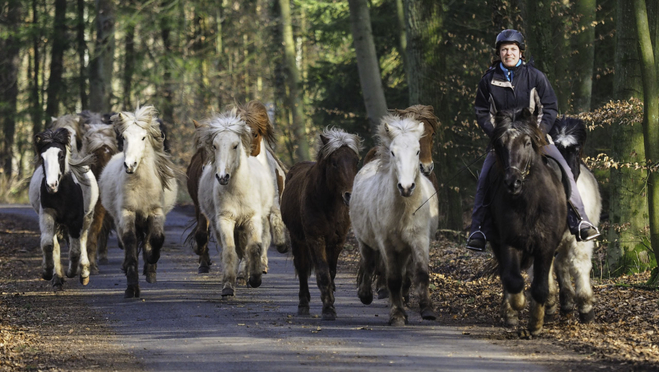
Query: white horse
[236, 194]
[64, 193]
[138, 188]
[394, 216]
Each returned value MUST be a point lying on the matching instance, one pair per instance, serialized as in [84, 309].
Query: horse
[63, 192]
[573, 258]
[236, 195]
[314, 208]
[394, 217]
[529, 211]
[138, 189]
[98, 140]
[426, 115]
[255, 115]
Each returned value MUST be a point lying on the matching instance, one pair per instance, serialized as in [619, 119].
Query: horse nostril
[413, 186]
[400, 187]
[346, 197]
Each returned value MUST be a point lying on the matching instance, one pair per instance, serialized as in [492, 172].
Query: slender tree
[650, 121]
[10, 18]
[36, 108]
[81, 46]
[166, 24]
[129, 54]
[367, 62]
[59, 46]
[101, 65]
[585, 54]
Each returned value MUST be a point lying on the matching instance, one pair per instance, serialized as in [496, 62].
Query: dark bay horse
[315, 210]
[529, 211]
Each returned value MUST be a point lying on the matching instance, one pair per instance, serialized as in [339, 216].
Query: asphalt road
[182, 323]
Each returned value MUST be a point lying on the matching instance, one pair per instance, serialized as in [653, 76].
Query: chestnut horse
[255, 115]
[315, 211]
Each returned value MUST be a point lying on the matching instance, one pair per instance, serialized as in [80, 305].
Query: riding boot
[577, 219]
[481, 223]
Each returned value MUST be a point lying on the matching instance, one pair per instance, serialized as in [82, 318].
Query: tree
[584, 58]
[81, 47]
[650, 121]
[129, 55]
[101, 65]
[367, 62]
[10, 17]
[59, 46]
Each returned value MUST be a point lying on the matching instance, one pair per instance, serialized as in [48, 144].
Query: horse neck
[320, 188]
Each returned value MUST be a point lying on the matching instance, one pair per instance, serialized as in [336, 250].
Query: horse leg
[582, 265]
[84, 259]
[266, 240]
[510, 307]
[75, 252]
[155, 237]
[201, 246]
[381, 280]
[551, 307]
[224, 234]
[512, 282]
[254, 251]
[421, 263]
[103, 239]
[278, 229]
[540, 288]
[302, 264]
[48, 241]
[396, 262]
[129, 241]
[318, 251]
[93, 236]
[566, 290]
[365, 273]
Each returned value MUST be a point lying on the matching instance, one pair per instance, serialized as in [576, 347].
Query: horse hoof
[93, 270]
[57, 287]
[587, 317]
[84, 280]
[203, 270]
[549, 318]
[132, 292]
[282, 248]
[406, 300]
[71, 274]
[227, 292]
[536, 332]
[511, 322]
[303, 310]
[153, 257]
[428, 314]
[329, 315]
[47, 275]
[524, 334]
[397, 321]
[383, 293]
[103, 261]
[365, 298]
[151, 277]
[255, 281]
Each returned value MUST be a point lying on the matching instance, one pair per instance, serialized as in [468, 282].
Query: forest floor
[624, 335]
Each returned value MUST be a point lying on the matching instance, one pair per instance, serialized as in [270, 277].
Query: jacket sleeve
[484, 116]
[548, 100]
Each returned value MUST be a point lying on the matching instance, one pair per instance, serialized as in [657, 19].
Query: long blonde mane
[228, 121]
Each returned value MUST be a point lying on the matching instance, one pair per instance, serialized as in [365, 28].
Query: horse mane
[77, 165]
[390, 127]
[89, 117]
[228, 121]
[145, 118]
[256, 116]
[333, 138]
[97, 136]
[72, 123]
[424, 113]
[516, 122]
[569, 132]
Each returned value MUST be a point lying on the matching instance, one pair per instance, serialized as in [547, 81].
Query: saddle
[555, 166]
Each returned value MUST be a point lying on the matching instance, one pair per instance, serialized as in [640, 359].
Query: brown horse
[315, 211]
[426, 115]
[100, 141]
[256, 116]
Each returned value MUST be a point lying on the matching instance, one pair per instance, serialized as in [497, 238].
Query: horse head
[517, 142]
[426, 115]
[255, 114]
[400, 150]
[338, 155]
[53, 147]
[569, 136]
[139, 132]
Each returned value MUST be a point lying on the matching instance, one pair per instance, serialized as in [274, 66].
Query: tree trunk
[584, 59]
[293, 82]
[9, 64]
[36, 108]
[57, 59]
[415, 33]
[129, 59]
[167, 88]
[650, 118]
[367, 62]
[101, 65]
[82, 49]
[402, 32]
[628, 208]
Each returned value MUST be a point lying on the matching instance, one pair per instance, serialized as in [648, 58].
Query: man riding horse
[512, 83]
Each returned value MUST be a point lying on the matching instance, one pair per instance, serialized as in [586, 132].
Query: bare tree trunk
[82, 49]
[650, 119]
[129, 61]
[402, 33]
[628, 207]
[36, 107]
[57, 59]
[367, 62]
[295, 102]
[9, 64]
[584, 60]
[101, 65]
[167, 88]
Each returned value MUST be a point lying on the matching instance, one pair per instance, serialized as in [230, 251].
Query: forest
[343, 63]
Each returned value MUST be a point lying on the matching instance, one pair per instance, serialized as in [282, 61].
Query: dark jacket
[496, 93]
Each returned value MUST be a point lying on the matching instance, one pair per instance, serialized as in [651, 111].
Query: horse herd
[97, 173]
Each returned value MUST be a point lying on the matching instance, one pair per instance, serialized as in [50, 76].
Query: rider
[511, 83]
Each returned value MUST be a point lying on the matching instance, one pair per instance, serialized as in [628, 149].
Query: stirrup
[471, 239]
[588, 225]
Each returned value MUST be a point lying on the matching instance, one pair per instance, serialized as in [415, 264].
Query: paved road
[181, 323]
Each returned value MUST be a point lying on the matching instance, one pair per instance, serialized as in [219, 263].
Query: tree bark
[367, 62]
[650, 117]
[295, 102]
[82, 49]
[129, 59]
[628, 208]
[402, 33]
[101, 65]
[584, 59]
[36, 108]
[9, 64]
[167, 89]
[60, 45]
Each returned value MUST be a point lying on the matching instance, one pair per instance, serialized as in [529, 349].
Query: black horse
[529, 210]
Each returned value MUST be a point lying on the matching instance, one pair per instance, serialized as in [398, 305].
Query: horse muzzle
[346, 198]
[52, 188]
[406, 191]
[514, 185]
[130, 169]
[427, 169]
[223, 180]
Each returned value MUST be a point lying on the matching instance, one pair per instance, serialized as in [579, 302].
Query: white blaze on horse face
[135, 139]
[405, 156]
[228, 148]
[51, 167]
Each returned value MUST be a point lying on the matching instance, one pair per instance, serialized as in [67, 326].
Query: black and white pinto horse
[64, 193]
[573, 258]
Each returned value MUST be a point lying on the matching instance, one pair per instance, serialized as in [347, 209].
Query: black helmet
[510, 36]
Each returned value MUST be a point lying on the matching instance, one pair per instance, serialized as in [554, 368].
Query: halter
[526, 171]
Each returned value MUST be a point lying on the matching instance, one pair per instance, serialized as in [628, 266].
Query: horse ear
[324, 140]
[526, 113]
[53, 119]
[196, 124]
[234, 111]
[535, 103]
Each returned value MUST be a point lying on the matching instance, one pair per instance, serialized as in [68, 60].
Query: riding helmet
[510, 36]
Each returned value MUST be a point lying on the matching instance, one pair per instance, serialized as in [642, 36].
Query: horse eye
[255, 135]
[418, 152]
[392, 154]
[143, 138]
[235, 147]
[214, 147]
